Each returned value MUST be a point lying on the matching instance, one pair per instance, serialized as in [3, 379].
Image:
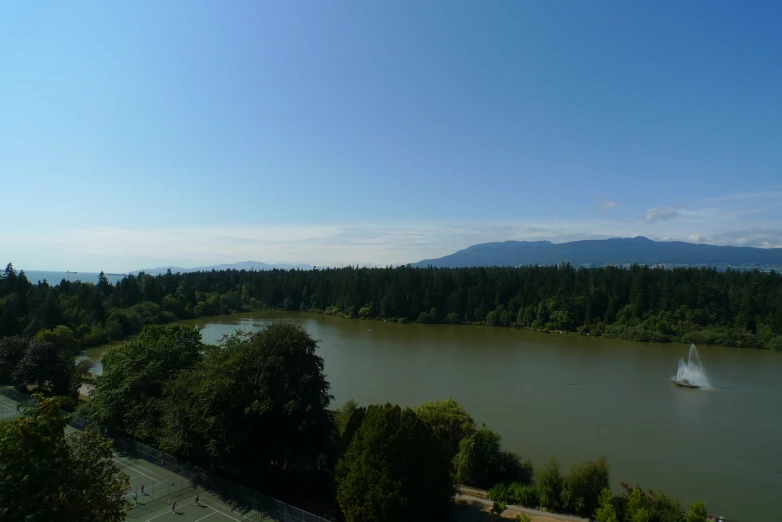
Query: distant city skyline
[196, 133]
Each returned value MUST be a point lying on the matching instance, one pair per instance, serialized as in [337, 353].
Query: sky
[189, 133]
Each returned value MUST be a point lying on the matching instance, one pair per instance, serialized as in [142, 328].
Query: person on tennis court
[135, 497]
[173, 507]
[197, 504]
[142, 489]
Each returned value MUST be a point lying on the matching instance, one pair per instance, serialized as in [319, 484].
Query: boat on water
[684, 383]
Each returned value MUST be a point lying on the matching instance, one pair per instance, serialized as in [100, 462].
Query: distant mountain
[244, 265]
[616, 251]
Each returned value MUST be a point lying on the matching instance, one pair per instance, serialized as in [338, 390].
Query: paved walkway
[479, 496]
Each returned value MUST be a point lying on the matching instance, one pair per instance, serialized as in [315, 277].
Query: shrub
[499, 493]
[523, 495]
[498, 508]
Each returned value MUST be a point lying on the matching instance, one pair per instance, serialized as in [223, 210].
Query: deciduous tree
[50, 476]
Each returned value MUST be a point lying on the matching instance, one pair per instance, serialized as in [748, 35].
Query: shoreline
[514, 326]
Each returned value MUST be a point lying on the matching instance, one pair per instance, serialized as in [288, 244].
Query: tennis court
[161, 488]
[7, 408]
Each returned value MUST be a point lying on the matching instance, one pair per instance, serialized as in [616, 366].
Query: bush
[523, 495]
[516, 493]
[452, 318]
[425, 318]
[581, 488]
[498, 493]
[522, 518]
[498, 508]
[482, 463]
[549, 484]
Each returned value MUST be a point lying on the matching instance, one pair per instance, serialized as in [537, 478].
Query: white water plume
[692, 372]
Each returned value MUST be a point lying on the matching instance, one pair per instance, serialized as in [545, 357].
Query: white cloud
[737, 221]
[125, 249]
[661, 214]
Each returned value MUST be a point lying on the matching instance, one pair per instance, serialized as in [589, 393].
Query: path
[478, 496]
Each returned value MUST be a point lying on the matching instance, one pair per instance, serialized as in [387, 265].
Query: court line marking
[134, 469]
[167, 512]
[209, 515]
[136, 464]
[229, 516]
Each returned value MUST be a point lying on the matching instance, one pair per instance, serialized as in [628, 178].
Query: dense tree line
[256, 409]
[705, 306]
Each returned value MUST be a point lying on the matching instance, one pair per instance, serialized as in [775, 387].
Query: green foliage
[498, 508]
[523, 495]
[50, 476]
[658, 506]
[449, 422]
[549, 483]
[393, 470]
[522, 517]
[347, 421]
[581, 488]
[639, 303]
[516, 493]
[606, 511]
[11, 352]
[255, 408]
[697, 512]
[62, 337]
[482, 463]
[44, 365]
[128, 395]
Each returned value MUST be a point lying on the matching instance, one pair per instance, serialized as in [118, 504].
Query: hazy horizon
[303, 263]
[196, 133]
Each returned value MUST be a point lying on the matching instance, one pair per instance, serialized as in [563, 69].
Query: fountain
[691, 373]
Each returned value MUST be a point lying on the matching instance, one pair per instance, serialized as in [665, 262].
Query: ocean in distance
[54, 278]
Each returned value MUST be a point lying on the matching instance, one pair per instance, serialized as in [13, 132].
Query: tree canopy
[257, 407]
[47, 475]
[449, 422]
[129, 394]
[394, 469]
[482, 463]
[730, 308]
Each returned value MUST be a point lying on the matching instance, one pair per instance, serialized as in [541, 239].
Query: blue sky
[147, 133]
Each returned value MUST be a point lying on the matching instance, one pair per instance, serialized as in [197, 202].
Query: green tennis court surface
[8, 408]
[162, 488]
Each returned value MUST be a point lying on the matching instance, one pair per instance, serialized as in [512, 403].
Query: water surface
[574, 398]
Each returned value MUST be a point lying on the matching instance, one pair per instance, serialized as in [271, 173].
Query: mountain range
[244, 265]
[616, 251]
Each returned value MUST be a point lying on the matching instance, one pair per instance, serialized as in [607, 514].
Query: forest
[704, 306]
[257, 410]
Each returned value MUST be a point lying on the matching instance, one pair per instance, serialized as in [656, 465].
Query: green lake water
[574, 398]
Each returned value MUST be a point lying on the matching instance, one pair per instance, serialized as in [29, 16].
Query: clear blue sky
[190, 133]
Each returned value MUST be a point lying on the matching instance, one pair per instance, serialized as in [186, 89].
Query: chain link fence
[186, 474]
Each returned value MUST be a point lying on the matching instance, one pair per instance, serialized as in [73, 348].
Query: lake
[574, 398]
